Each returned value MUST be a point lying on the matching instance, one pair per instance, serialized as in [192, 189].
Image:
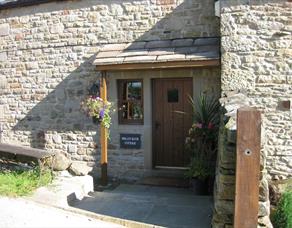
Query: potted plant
[202, 143]
[198, 175]
[98, 109]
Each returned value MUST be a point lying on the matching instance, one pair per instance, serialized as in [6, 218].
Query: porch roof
[191, 52]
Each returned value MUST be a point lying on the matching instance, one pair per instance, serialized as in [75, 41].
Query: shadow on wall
[60, 110]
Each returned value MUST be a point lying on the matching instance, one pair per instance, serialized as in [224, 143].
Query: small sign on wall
[130, 141]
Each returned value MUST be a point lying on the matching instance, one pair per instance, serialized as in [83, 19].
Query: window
[172, 95]
[130, 102]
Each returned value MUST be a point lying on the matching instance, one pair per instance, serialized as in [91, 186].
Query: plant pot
[199, 187]
[211, 181]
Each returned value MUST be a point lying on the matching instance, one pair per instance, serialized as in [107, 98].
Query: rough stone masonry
[46, 54]
[256, 45]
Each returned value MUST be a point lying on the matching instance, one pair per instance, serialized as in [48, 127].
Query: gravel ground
[24, 213]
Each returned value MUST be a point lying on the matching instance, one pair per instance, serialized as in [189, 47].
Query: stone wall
[46, 54]
[256, 71]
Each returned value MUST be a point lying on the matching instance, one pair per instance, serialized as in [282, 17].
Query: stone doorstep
[66, 189]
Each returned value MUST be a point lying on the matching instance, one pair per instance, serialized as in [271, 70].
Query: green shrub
[22, 183]
[202, 138]
[282, 217]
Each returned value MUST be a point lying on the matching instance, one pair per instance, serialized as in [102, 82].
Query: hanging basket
[96, 120]
[98, 109]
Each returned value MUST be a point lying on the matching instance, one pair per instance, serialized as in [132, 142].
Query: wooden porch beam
[159, 65]
[103, 134]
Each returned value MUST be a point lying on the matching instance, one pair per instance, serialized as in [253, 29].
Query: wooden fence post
[248, 147]
[103, 134]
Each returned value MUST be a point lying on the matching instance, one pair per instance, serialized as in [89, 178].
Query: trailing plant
[98, 109]
[203, 137]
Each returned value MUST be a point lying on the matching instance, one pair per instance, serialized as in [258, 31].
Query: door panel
[169, 127]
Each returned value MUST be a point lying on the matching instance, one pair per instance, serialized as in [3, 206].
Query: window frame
[120, 83]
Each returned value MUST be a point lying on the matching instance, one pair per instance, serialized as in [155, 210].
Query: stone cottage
[157, 52]
[53, 54]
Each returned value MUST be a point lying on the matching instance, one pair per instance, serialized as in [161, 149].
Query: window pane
[124, 91]
[134, 90]
[172, 95]
[132, 111]
[130, 101]
[136, 111]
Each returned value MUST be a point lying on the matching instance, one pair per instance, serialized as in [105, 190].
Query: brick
[1, 112]
[3, 83]
[3, 56]
[4, 29]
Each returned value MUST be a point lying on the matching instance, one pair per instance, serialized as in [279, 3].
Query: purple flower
[199, 125]
[101, 113]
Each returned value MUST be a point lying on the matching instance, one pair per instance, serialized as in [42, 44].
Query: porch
[150, 84]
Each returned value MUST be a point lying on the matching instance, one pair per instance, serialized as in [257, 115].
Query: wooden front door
[170, 128]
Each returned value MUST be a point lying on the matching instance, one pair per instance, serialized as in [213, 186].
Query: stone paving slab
[160, 206]
[66, 189]
[23, 213]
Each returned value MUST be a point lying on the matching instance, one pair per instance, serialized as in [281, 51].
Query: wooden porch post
[248, 147]
[103, 134]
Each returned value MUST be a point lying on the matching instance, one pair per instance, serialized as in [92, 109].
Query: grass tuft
[23, 183]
